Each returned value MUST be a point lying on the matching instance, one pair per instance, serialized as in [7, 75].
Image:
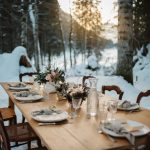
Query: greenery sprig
[51, 75]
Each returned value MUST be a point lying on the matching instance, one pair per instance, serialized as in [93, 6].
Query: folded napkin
[130, 128]
[126, 104]
[46, 112]
[123, 129]
[17, 85]
[25, 94]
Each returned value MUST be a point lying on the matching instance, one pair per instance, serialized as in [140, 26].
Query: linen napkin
[123, 129]
[17, 85]
[46, 112]
[126, 104]
[130, 128]
[25, 94]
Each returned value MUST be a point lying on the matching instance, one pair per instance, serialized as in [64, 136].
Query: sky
[106, 7]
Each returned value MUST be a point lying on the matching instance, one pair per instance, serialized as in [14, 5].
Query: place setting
[18, 86]
[128, 106]
[27, 96]
[125, 129]
[117, 127]
[50, 116]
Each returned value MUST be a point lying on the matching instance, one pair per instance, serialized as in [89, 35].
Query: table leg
[11, 104]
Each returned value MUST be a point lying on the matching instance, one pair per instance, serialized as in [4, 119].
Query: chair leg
[29, 145]
[39, 143]
[13, 121]
[23, 119]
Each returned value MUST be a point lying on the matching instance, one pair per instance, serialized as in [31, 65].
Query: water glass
[103, 111]
[112, 109]
[76, 102]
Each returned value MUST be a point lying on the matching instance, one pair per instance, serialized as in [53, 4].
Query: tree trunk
[62, 38]
[125, 48]
[70, 37]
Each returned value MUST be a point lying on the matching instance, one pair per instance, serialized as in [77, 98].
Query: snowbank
[10, 68]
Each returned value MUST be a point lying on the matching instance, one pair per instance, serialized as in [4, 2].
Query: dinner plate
[29, 98]
[135, 106]
[52, 117]
[142, 131]
[18, 86]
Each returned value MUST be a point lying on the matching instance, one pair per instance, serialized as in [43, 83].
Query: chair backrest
[85, 78]
[21, 75]
[113, 88]
[4, 140]
[142, 94]
[24, 61]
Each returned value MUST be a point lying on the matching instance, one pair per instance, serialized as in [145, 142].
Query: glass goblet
[76, 102]
[112, 108]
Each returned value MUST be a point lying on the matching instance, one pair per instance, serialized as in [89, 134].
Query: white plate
[143, 131]
[19, 88]
[136, 106]
[54, 117]
[29, 98]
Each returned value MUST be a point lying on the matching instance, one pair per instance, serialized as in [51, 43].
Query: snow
[92, 62]
[141, 72]
[10, 68]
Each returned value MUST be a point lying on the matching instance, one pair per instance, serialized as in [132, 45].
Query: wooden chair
[21, 132]
[141, 95]
[21, 75]
[113, 88]
[8, 114]
[85, 78]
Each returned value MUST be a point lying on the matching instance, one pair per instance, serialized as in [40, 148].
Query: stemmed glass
[76, 102]
[112, 108]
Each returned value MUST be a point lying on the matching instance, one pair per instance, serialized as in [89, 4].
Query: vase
[50, 87]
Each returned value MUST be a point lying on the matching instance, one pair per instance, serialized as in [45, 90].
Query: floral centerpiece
[77, 91]
[51, 75]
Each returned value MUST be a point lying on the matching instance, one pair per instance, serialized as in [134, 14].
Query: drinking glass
[103, 110]
[76, 102]
[47, 90]
[112, 108]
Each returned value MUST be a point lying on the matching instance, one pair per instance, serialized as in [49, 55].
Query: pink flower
[53, 73]
[48, 77]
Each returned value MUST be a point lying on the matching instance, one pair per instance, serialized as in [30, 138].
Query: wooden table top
[78, 134]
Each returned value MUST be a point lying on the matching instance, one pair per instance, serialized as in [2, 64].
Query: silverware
[47, 123]
[134, 110]
[54, 123]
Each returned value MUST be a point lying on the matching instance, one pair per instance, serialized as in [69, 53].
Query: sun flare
[107, 9]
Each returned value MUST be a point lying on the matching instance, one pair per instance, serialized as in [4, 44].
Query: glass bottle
[92, 99]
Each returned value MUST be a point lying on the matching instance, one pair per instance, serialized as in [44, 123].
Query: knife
[47, 123]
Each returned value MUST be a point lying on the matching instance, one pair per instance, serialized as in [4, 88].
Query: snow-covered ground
[141, 73]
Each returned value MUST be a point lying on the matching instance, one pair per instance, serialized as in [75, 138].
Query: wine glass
[76, 102]
[112, 108]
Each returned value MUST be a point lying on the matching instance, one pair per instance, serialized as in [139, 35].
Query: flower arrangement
[51, 75]
[77, 91]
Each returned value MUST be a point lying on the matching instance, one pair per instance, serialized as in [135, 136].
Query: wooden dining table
[80, 133]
